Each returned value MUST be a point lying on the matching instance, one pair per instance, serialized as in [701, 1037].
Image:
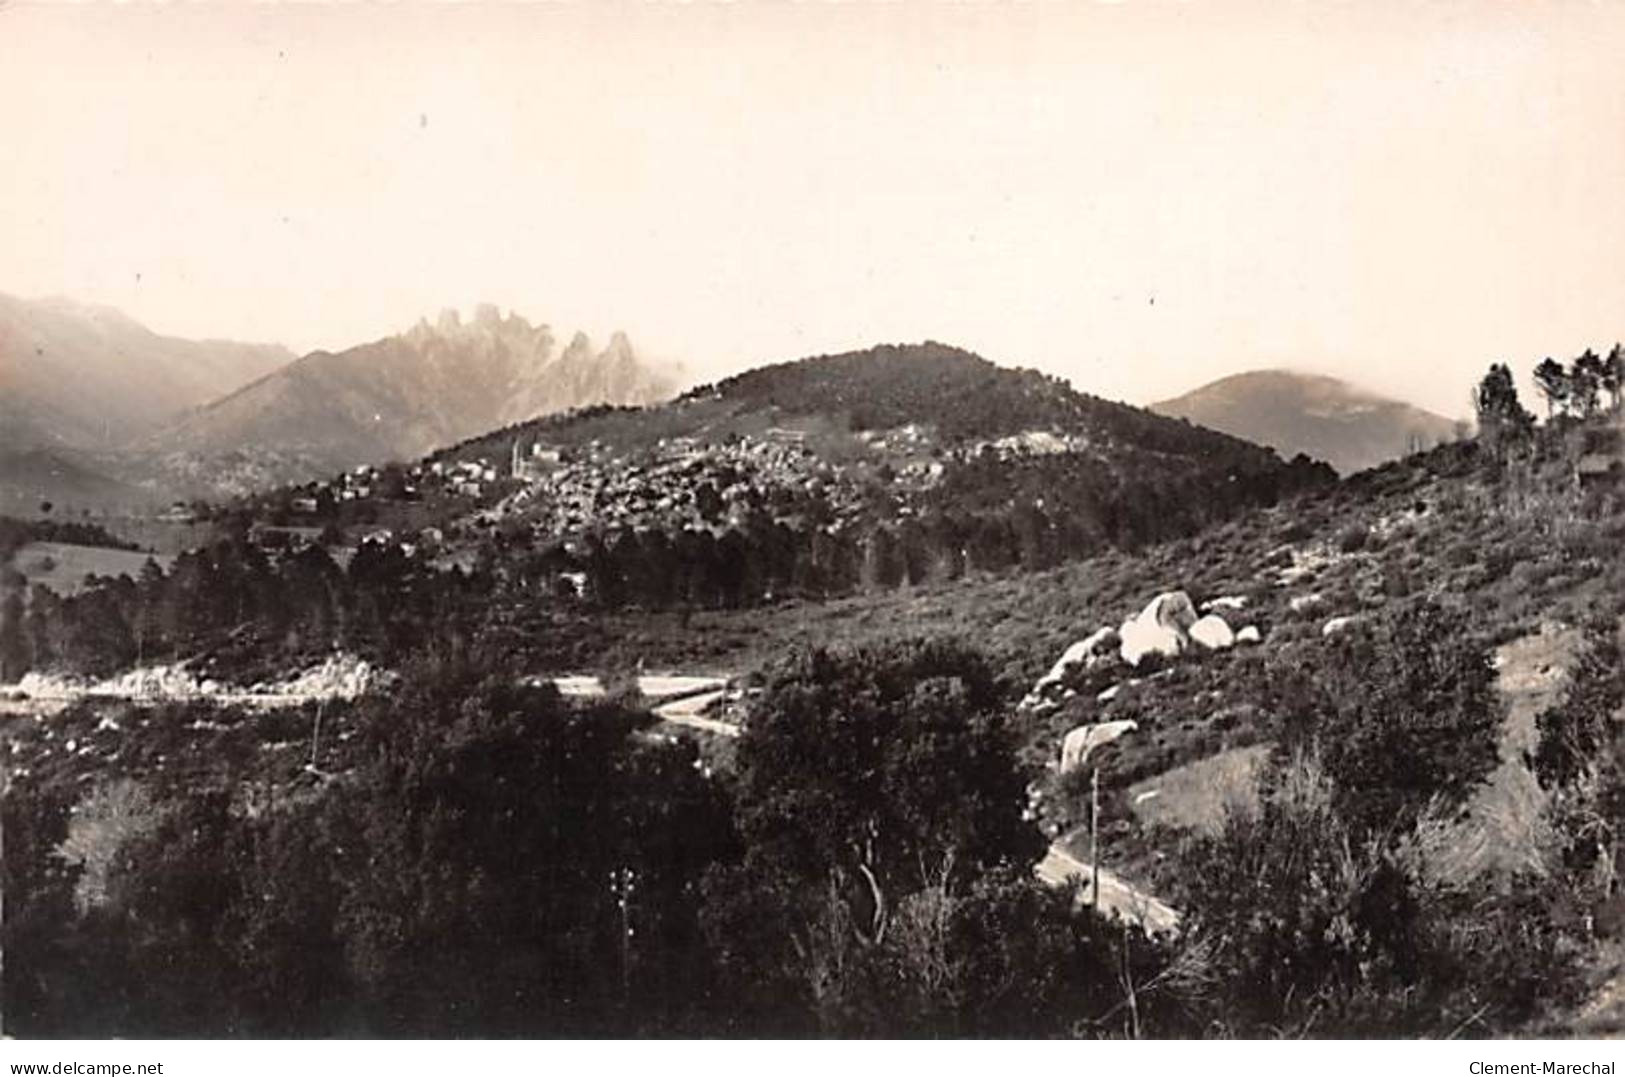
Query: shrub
[1400, 714]
[1353, 538]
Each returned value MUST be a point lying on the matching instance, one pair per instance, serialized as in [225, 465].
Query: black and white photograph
[812, 521]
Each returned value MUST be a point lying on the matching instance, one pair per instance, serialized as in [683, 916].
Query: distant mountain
[401, 397]
[1328, 419]
[91, 378]
[78, 383]
[33, 477]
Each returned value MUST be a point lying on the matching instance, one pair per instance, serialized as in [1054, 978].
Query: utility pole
[316, 737]
[5, 790]
[1094, 838]
[622, 882]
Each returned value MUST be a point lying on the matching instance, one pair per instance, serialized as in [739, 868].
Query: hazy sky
[1139, 197]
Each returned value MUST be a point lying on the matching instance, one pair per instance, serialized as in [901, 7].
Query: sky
[1139, 197]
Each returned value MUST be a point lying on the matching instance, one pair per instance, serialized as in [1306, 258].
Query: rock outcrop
[1076, 745]
[1162, 628]
[1213, 633]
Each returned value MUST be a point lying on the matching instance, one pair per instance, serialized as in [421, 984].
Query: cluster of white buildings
[685, 483]
[681, 484]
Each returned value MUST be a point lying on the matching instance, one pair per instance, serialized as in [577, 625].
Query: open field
[1504, 827]
[1196, 796]
[63, 567]
[165, 536]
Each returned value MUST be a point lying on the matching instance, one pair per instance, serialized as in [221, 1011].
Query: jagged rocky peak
[580, 347]
[487, 323]
[449, 377]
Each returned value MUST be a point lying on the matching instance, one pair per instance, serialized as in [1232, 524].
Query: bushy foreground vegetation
[488, 860]
[495, 862]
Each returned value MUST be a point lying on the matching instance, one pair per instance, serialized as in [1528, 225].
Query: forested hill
[890, 465]
[962, 397]
[962, 394]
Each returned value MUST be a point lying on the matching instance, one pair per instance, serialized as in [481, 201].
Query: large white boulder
[1213, 633]
[1163, 627]
[1082, 654]
[1076, 745]
[1249, 634]
[1336, 625]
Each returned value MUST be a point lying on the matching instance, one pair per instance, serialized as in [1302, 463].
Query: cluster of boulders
[1169, 626]
[163, 682]
[342, 676]
[150, 682]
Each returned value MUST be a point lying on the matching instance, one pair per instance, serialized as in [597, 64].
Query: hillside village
[686, 484]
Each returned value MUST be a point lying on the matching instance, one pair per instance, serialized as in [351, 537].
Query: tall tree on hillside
[13, 639]
[1552, 379]
[1585, 380]
[1613, 375]
[1501, 416]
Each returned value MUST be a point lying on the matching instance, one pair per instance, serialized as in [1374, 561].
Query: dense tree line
[1577, 388]
[233, 598]
[15, 534]
[1574, 391]
[496, 862]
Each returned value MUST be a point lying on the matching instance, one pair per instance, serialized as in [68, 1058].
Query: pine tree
[1585, 382]
[1552, 379]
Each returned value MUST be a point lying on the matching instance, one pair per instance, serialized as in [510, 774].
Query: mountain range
[99, 411]
[81, 382]
[91, 378]
[1348, 427]
[404, 396]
